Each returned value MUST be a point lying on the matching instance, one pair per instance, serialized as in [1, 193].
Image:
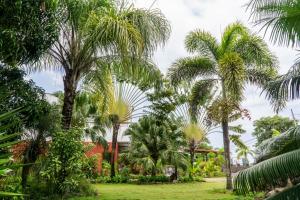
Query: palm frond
[285, 142]
[203, 43]
[284, 88]
[289, 193]
[270, 172]
[230, 34]
[254, 51]
[236, 139]
[190, 68]
[282, 17]
[233, 73]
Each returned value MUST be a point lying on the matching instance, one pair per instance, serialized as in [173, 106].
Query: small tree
[63, 169]
[265, 127]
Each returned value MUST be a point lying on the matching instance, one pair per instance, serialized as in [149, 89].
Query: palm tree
[124, 103]
[243, 152]
[239, 58]
[97, 32]
[278, 161]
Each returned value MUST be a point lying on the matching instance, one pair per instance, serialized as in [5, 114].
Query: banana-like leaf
[270, 172]
[292, 193]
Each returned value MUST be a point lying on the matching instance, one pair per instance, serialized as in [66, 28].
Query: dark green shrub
[63, 171]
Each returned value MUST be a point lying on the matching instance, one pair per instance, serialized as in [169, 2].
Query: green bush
[186, 179]
[63, 171]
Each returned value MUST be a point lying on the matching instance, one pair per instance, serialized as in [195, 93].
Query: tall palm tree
[239, 58]
[96, 32]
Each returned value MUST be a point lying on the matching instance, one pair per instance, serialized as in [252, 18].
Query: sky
[213, 16]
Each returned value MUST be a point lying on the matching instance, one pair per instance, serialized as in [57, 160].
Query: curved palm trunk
[70, 85]
[116, 127]
[226, 141]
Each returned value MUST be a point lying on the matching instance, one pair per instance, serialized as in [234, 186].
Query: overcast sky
[212, 16]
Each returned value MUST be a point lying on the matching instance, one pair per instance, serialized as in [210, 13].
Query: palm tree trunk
[192, 152]
[154, 171]
[70, 85]
[116, 127]
[226, 141]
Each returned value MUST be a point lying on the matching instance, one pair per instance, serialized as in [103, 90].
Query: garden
[121, 128]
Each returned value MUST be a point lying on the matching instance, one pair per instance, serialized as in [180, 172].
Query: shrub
[63, 171]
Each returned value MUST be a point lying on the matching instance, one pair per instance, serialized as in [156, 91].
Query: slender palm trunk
[70, 85]
[226, 141]
[154, 171]
[116, 127]
[192, 152]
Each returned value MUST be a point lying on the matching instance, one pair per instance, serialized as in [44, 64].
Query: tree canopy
[267, 127]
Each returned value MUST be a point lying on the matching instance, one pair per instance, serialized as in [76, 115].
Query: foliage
[280, 144]
[6, 141]
[279, 16]
[212, 167]
[155, 142]
[265, 127]
[16, 92]
[64, 162]
[27, 29]
[279, 160]
[94, 34]
[239, 58]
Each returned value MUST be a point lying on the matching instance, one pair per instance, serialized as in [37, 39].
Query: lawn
[188, 191]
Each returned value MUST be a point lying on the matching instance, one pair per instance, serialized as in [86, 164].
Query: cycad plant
[239, 58]
[278, 161]
[96, 32]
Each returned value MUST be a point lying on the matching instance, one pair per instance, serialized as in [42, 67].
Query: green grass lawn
[188, 191]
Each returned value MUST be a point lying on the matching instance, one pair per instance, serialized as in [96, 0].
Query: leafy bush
[89, 167]
[186, 179]
[63, 170]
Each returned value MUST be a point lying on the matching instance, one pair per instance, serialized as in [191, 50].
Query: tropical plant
[6, 141]
[281, 16]
[28, 29]
[95, 33]
[266, 127]
[34, 143]
[244, 152]
[118, 107]
[148, 142]
[241, 57]
[278, 162]
[63, 170]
